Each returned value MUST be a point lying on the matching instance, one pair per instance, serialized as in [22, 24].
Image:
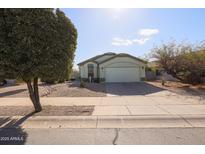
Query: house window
[90, 70]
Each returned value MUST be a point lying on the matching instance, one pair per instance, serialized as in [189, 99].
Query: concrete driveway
[129, 89]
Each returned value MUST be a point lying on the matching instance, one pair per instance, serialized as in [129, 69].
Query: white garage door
[128, 74]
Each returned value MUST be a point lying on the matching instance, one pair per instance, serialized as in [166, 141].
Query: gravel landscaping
[181, 88]
[68, 89]
[47, 111]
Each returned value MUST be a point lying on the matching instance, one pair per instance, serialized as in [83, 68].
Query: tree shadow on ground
[11, 132]
[97, 87]
[194, 92]
[135, 88]
[9, 85]
[12, 92]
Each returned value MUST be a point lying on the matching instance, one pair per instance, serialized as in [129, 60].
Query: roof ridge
[122, 55]
[96, 57]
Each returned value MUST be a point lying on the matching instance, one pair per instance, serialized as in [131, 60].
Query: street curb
[165, 121]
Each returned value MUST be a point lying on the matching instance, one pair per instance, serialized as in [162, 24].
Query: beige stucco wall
[122, 62]
[84, 70]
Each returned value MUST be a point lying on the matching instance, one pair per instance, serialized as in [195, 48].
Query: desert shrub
[182, 61]
[82, 84]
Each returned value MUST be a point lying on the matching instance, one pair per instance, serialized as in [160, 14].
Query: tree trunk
[33, 93]
[35, 88]
[173, 74]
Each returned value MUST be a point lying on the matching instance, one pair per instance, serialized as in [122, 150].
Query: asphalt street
[103, 136]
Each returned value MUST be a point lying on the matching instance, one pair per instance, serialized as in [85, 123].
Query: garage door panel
[128, 74]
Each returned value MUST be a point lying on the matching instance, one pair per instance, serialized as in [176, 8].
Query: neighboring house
[112, 67]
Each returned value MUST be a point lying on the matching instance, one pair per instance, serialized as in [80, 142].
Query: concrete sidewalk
[116, 112]
[122, 106]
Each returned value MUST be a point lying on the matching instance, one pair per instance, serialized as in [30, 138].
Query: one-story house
[112, 67]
